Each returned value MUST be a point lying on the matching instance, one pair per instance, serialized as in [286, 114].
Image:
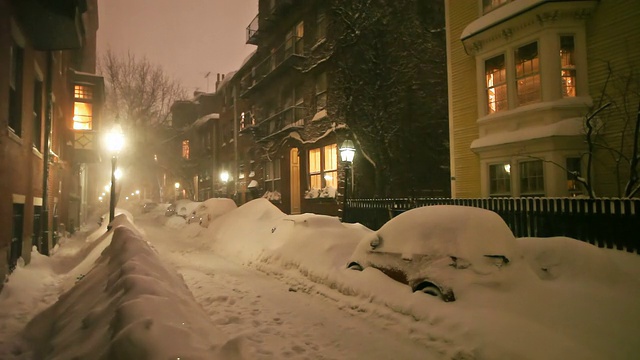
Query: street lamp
[224, 176]
[177, 186]
[347, 151]
[115, 142]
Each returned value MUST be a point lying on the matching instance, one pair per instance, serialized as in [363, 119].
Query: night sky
[188, 38]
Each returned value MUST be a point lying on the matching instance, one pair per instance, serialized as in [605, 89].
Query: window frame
[491, 88]
[526, 70]
[568, 69]
[505, 180]
[83, 94]
[186, 149]
[326, 167]
[272, 175]
[16, 87]
[525, 176]
[321, 87]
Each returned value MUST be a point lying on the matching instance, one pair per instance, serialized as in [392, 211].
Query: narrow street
[277, 312]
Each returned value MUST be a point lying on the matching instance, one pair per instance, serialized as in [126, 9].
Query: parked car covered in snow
[433, 248]
[209, 210]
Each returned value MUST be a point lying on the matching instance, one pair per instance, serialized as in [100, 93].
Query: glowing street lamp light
[177, 186]
[224, 177]
[114, 142]
[347, 152]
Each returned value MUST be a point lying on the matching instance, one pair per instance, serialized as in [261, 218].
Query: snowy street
[251, 282]
[248, 305]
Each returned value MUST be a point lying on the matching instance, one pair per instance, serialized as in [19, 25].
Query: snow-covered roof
[204, 119]
[498, 15]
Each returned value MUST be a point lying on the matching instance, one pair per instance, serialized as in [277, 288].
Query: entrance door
[295, 181]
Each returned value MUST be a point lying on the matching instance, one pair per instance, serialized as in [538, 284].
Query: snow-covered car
[209, 210]
[433, 248]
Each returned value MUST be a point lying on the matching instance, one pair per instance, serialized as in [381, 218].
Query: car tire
[430, 288]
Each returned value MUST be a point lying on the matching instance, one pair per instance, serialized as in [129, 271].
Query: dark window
[37, 114]
[15, 88]
[531, 178]
[500, 179]
[528, 74]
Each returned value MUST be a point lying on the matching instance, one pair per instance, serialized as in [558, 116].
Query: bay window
[531, 178]
[496, 84]
[83, 107]
[528, 74]
[568, 66]
[500, 179]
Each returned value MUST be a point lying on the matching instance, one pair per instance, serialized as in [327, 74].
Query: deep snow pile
[127, 306]
[556, 298]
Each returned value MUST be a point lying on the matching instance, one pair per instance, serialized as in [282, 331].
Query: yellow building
[523, 77]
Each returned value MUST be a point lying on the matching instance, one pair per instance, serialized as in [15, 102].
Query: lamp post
[347, 151]
[175, 194]
[115, 142]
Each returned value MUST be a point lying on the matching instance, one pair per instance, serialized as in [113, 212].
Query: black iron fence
[610, 223]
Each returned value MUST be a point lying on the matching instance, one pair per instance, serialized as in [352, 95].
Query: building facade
[49, 114]
[538, 70]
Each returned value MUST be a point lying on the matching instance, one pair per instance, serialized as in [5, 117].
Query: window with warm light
[500, 179]
[574, 171]
[496, 84]
[568, 66]
[323, 167]
[83, 107]
[528, 74]
[185, 149]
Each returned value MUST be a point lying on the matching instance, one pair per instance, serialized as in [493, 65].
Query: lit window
[323, 167]
[496, 84]
[331, 165]
[573, 173]
[83, 108]
[531, 178]
[528, 74]
[568, 72]
[500, 179]
[185, 149]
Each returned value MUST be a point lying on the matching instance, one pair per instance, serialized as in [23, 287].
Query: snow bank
[145, 311]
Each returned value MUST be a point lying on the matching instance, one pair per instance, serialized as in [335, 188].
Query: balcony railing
[253, 31]
[289, 118]
[293, 47]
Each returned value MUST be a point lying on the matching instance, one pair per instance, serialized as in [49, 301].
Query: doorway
[295, 181]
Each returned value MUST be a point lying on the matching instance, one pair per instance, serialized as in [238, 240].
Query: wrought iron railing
[292, 47]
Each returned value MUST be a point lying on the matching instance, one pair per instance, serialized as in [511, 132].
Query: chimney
[218, 79]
